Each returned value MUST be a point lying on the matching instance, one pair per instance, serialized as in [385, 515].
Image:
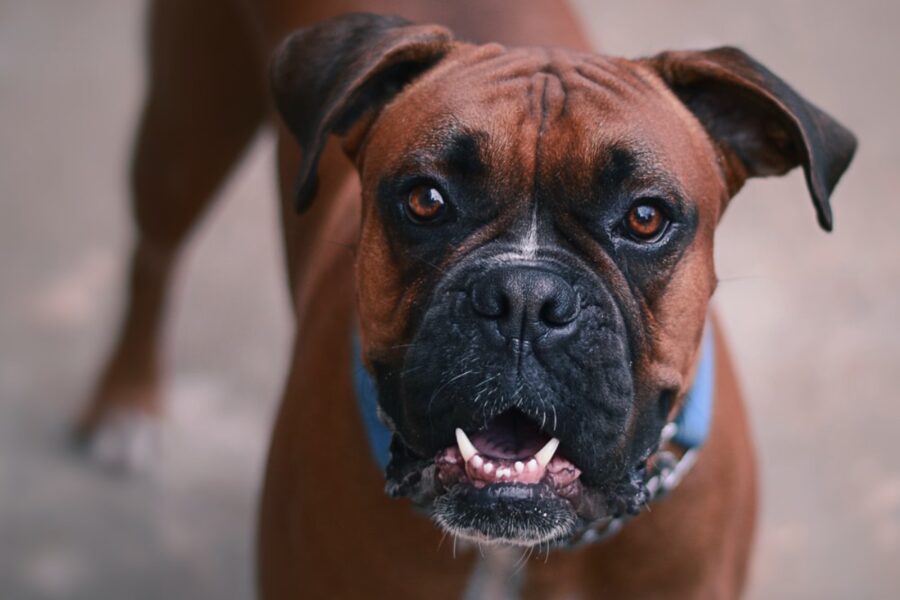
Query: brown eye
[424, 204]
[646, 222]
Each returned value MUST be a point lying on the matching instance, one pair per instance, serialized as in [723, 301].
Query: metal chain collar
[665, 471]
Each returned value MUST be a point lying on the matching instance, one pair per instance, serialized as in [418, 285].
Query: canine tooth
[477, 461]
[488, 467]
[466, 448]
[546, 453]
[520, 466]
[532, 465]
[504, 472]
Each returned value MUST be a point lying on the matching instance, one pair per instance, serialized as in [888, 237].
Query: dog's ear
[762, 126]
[327, 77]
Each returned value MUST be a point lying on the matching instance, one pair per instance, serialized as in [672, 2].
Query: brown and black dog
[529, 287]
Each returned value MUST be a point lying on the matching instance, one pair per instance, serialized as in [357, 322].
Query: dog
[524, 318]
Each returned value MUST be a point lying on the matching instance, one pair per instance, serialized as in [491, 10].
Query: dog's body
[327, 528]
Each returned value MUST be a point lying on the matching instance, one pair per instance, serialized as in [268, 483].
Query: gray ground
[812, 318]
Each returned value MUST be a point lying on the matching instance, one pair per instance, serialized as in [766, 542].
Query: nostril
[502, 307]
[559, 310]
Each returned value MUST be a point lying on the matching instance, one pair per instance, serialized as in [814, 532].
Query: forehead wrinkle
[613, 69]
[612, 80]
[553, 101]
[507, 64]
[506, 90]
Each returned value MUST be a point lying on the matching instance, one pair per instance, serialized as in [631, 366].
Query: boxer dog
[528, 289]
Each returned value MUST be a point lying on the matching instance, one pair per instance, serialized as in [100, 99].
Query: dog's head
[536, 250]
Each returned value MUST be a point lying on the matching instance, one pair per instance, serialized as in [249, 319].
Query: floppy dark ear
[327, 77]
[762, 125]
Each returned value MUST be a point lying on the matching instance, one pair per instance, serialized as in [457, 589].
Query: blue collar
[367, 399]
[693, 421]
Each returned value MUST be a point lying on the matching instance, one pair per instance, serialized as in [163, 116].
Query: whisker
[441, 388]
[520, 564]
[410, 370]
[397, 347]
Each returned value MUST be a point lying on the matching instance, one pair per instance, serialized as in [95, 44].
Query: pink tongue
[511, 437]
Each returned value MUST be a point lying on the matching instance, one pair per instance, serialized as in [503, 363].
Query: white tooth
[532, 465]
[520, 466]
[465, 446]
[476, 461]
[504, 472]
[488, 467]
[546, 453]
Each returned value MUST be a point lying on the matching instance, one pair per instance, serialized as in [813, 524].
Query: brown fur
[326, 527]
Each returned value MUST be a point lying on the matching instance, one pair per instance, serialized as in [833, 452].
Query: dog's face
[536, 260]
[535, 263]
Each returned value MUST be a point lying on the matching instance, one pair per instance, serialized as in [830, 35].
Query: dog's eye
[424, 204]
[646, 222]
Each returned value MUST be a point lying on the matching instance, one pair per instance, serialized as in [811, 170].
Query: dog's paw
[126, 440]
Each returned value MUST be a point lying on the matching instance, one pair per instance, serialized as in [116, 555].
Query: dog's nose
[526, 302]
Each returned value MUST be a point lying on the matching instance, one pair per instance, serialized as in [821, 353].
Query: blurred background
[812, 318]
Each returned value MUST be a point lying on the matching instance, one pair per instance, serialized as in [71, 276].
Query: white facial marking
[530, 243]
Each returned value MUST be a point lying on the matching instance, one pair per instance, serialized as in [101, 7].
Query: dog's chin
[510, 492]
[505, 513]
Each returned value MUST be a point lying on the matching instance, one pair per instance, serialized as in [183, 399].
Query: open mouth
[507, 483]
[511, 449]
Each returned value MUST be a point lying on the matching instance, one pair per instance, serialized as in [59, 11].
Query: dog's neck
[498, 573]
